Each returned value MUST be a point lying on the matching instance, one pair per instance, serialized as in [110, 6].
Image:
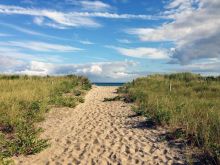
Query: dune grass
[23, 102]
[183, 100]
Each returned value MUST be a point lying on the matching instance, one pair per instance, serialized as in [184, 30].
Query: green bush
[25, 141]
[77, 92]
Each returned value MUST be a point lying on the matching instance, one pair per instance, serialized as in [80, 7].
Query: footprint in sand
[95, 132]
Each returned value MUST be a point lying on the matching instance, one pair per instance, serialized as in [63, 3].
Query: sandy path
[98, 132]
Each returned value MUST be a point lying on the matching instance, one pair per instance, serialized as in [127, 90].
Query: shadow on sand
[173, 138]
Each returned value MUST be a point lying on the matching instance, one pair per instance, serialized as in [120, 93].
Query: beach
[97, 132]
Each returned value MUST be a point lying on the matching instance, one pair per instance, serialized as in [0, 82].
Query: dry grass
[183, 100]
[24, 101]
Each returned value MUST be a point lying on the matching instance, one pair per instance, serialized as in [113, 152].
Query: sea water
[108, 84]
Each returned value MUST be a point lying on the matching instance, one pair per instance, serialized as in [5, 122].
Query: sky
[109, 40]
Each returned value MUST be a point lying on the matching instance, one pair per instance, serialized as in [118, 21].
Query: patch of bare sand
[98, 132]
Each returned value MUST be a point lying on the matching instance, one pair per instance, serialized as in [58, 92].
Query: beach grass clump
[183, 100]
[23, 102]
[116, 98]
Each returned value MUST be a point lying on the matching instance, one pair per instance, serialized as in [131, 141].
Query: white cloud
[142, 52]
[86, 42]
[38, 20]
[68, 19]
[117, 16]
[64, 19]
[10, 64]
[122, 1]
[103, 71]
[124, 41]
[96, 69]
[41, 46]
[194, 29]
[41, 22]
[13, 53]
[4, 35]
[23, 29]
[183, 4]
[208, 67]
[205, 67]
[31, 32]
[12, 61]
[94, 5]
[30, 2]
[16, 53]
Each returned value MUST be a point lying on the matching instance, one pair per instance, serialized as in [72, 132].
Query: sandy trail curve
[101, 133]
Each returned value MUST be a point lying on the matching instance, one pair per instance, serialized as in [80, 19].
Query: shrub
[77, 92]
[25, 141]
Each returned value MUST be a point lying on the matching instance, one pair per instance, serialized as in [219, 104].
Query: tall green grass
[184, 100]
[24, 100]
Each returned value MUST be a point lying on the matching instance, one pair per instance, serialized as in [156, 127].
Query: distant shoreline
[108, 84]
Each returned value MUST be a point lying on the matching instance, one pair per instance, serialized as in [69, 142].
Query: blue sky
[114, 40]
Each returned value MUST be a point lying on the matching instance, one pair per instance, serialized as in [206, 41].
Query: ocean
[107, 84]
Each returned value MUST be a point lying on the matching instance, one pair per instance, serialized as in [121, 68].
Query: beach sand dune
[102, 133]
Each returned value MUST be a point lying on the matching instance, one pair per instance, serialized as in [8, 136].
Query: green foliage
[63, 101]
[216, 149]
[116, 98]
[183, 100]
[80, 99]
[183, 76]
[25, 141]
[77, 92]
[139, 110]
[24, 100]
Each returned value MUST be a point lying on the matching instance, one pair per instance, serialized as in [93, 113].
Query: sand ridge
[102, 133]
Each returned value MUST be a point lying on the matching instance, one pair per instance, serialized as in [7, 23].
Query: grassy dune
[183, 101]
[24, 101]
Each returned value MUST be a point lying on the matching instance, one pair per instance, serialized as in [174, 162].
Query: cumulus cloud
[207, 67]
[194, 30]
[11, 64]
[142, 52]
[103, 71]
[12, 61]
[41, 46]
[211, 67]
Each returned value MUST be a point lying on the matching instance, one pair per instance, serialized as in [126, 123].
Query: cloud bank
[103, 71]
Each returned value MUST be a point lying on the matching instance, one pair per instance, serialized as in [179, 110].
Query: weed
[116, 98]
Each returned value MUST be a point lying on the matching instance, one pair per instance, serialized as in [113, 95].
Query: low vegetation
[116, 98]
[183, 101]
[23, 102]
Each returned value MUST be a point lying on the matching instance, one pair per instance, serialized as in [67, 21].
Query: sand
[102, 133]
